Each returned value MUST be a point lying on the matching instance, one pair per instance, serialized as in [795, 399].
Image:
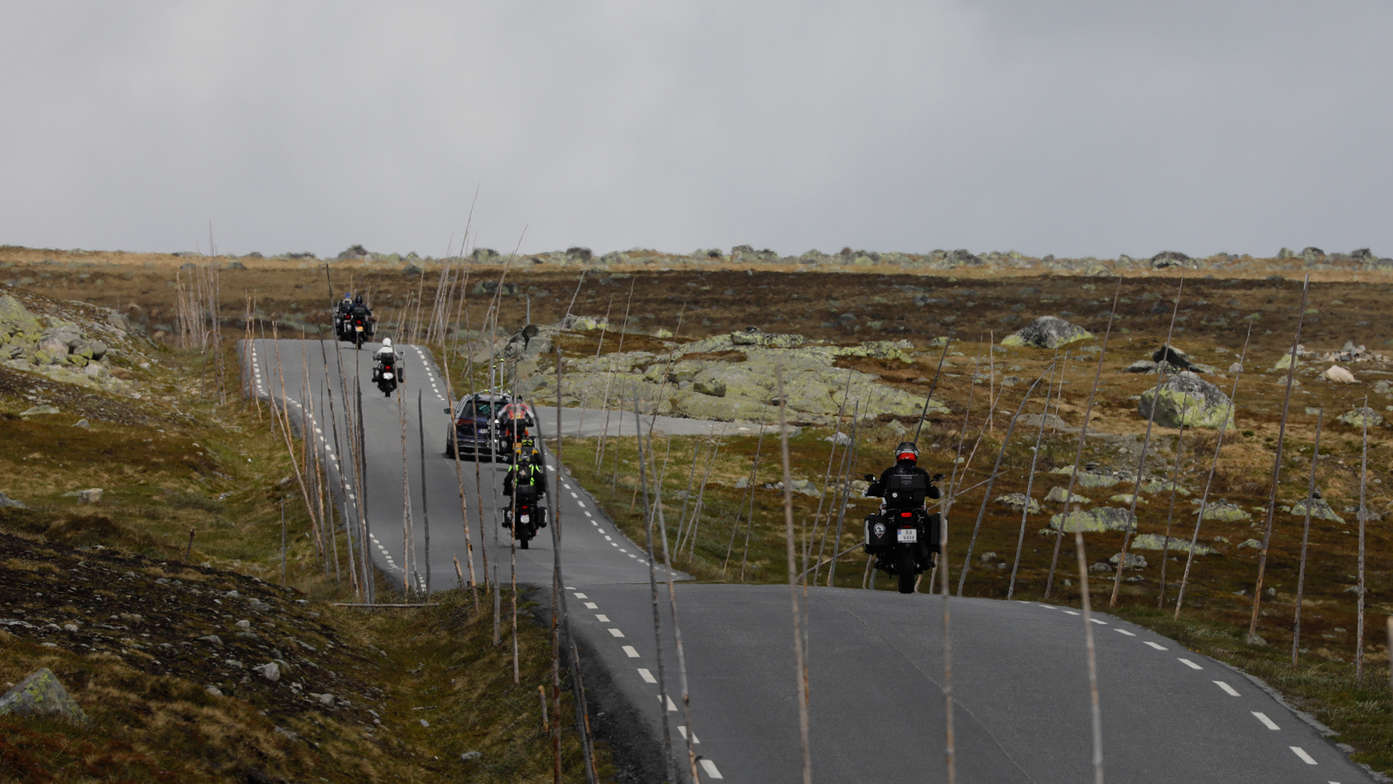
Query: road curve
[875, 665]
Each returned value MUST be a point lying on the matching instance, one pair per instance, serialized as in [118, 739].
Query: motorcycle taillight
[906, 514]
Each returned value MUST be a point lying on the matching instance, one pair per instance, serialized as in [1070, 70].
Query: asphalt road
[875, 666]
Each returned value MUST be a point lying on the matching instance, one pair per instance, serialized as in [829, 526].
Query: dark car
[489, 425]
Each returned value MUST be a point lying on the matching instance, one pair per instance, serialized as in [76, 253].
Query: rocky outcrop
[1019, 501]
[1159, 542]
[1047, 332]
[1362, 417]
[1187, 398]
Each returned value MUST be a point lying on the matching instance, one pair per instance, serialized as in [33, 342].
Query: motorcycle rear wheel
[904, 569]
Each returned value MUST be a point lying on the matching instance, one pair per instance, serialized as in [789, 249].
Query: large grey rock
[1134, 561]
[1172, 258]
[9, 503]
[271, 671]
[41, 694]
[1047, 332]
[1187, 398]
[39, 410]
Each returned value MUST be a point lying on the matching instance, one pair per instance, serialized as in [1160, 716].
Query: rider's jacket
[903, 485]
[360, 311]
[530, 473]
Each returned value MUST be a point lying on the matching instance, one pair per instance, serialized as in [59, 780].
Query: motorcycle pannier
[879, 536]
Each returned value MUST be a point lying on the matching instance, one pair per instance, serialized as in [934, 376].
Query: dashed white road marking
[1189, 664]
[614, 632]
[1124, 631]
[682, 728]
[1266, 722]
[591, 606]
[1155, 645]
[671, 706]
[581, 596]
[1300, 752]
[1100, 623]
[711, 770]
[1229, 690]
[602, 618]
[630, 651]
[646, 675]
[1071, 612]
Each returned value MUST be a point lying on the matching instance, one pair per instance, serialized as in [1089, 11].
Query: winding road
[875, 667]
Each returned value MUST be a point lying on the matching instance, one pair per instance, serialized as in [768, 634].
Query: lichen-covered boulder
[15, 319]
[1104, 518]
[1187, 398]
[1019, 501]
[1320, 510]
[1047, 332]
[1159, 542]
[1058, 495]
[41, 694]
[1359, 417]
[1091, 477]
[1224, 512]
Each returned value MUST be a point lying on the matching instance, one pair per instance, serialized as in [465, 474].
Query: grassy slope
[175, 461]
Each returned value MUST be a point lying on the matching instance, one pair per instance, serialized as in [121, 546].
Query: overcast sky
[1066, 127]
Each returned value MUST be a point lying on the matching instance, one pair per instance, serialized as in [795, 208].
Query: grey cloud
[1068, 127]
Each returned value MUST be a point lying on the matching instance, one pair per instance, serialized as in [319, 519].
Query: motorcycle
[528, 512]
[903, 541]
[387, 376]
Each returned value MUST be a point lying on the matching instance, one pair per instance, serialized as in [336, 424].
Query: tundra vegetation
[857, 337]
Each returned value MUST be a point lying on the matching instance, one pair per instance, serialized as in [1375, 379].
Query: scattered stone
[1134, 561]
[1384, 387]
[211, 638]
[271, 671]
[1126, 498]
[1187, 398]
[1338, 375]
[1105, 518]
[9, 503]
[1285, 362]
[1250, 544]
[801, 486]
[83, 423]
[258, 605]
[839, 438]
[470, 756]
[244, 624]
[213, 691]
[987, 557]
[326, 699]
[39, 410]
[1359, 417]
[41, 694]
[1047, 332]
[1019, 501]
[1059, 495]
[91, 495]
[1052, 421]
[1099, 567]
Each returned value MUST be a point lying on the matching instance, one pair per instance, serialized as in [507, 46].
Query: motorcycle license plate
[358, 328]
[907, 535]
[526, 518]
[388, 375]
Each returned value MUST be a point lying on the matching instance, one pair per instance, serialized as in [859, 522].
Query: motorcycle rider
[341, 312]
[904, 485]
[527, 471]
[383, 356]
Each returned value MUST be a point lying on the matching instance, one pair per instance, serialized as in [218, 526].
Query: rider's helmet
[906, 451]
[386, 342]
[347, 297]
[358, 300]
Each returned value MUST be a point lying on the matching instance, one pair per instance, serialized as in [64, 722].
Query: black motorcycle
[527, 515]
[388, 376]
[356, 330]
[903, 541]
